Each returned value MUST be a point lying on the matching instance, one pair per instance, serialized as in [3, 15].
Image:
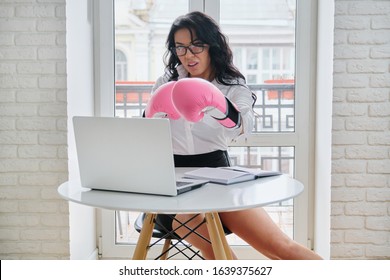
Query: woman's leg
[198, 242]
[257, 228]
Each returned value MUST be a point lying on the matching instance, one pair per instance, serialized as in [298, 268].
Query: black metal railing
[274, 108]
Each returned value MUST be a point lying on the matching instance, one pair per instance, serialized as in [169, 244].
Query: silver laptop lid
[125, 154]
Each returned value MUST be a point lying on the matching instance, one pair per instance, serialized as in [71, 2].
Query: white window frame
[314, 69]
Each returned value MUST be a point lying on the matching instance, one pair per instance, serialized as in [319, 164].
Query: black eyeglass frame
[186, 48]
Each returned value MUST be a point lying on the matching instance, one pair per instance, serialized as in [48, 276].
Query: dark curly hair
[208, 32]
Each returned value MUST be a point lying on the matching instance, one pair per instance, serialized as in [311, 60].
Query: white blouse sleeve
[241, 95]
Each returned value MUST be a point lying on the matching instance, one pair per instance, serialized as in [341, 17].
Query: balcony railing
[274, 108]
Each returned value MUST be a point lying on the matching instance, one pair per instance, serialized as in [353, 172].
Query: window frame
[315, 176]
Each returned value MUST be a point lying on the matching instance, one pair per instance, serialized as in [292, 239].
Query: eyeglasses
[182, 50]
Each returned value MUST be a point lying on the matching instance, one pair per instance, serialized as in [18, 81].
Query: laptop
[129, 155]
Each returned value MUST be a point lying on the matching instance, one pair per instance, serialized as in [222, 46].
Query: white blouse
[208, 134]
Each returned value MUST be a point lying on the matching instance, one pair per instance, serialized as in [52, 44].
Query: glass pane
[141, 28]
[263, 34]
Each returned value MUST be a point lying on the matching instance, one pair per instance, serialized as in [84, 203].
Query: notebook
[129, 155]
[229, 175]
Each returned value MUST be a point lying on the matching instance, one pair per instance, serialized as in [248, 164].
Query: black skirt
[214, 159]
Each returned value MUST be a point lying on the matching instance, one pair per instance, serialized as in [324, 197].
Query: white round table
[209, 199]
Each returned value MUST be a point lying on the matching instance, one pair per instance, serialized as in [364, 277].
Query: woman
[198, 50]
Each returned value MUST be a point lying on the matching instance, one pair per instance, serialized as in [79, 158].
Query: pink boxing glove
[192, 97]
[160, 104]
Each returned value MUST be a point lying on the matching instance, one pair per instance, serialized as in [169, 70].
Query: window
[120, 66]
[262, 36]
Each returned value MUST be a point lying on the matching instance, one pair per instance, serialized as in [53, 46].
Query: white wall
[80, 102]
[34, 220]
[361, 131]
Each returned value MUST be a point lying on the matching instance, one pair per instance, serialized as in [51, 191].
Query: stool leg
[221, 232]
[165, 252]
[144, 238]
[215, 236]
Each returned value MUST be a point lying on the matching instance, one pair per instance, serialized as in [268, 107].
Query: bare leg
[195, 240]
[257, 228]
